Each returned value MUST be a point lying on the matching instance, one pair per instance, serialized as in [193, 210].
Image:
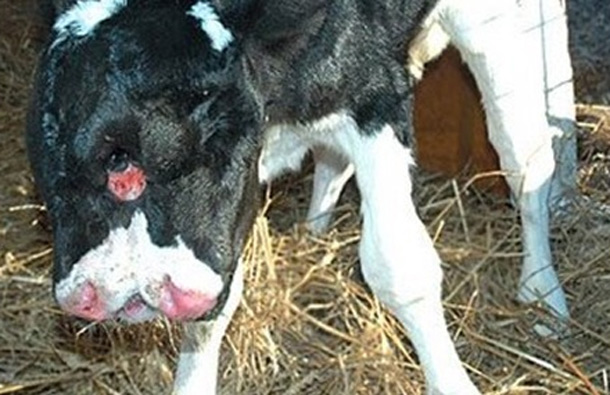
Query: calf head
[144, 135]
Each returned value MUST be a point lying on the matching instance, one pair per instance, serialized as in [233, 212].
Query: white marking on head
[82, 18]
[128, 263]
[220, 36]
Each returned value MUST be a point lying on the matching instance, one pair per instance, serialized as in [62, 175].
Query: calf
[153, 123]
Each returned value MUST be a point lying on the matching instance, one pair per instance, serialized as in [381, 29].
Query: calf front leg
[198, 362]
[397, 255]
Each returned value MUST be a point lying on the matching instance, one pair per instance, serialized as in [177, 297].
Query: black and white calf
[154, 121]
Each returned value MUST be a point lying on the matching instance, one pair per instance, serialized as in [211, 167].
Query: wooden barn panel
[450, 123]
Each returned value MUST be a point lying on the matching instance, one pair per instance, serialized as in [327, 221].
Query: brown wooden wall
[450, 123]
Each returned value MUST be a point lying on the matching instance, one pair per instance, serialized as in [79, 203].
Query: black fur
[146, 86]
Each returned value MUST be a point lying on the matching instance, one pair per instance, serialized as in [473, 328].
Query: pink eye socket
[127, 184]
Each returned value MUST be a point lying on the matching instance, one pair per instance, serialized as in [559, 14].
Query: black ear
[271, 20]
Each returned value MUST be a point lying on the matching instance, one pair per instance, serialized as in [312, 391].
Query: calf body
[154, 122]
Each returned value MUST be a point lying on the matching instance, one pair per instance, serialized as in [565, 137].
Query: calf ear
[270, 21]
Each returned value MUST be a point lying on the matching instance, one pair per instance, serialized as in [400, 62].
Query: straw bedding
[307, 323]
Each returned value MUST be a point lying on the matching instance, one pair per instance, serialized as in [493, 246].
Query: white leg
[397, 256]
[198, 362]
[283, 151]
[547, 29]
[489, 38]
[331, 173]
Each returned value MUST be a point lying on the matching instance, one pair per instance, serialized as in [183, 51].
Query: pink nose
[175, 303]
[86, 304]
[179, 304]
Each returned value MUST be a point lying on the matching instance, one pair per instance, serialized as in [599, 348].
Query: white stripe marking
[220, 36]
[82, 18]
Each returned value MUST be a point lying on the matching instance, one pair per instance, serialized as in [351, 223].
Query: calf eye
[117, 162]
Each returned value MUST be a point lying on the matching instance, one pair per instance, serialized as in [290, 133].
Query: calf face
[143, 140]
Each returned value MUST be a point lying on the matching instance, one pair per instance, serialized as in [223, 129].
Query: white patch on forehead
[127, 263]
[80, 19]
[220, 36]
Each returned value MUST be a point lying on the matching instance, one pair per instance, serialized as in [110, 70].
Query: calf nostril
[88, 304]
[88, 297]
[180, 304]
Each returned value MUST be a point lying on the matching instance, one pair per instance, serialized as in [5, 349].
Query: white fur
[427, 45]
[512, 80]
[127, 263]
[83, 17]
[539, 29]
[331, 172]
[546, 27]
[512, 50]
[526, 85]
[220, 36]
[397, 256]
[283, 150]
[198, 364]
[285, 146]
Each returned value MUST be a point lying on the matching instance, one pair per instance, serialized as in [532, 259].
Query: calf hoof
[545, 288]
[318, 224]
[465, 388]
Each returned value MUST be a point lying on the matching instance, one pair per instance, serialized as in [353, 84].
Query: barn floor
[307, 324]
